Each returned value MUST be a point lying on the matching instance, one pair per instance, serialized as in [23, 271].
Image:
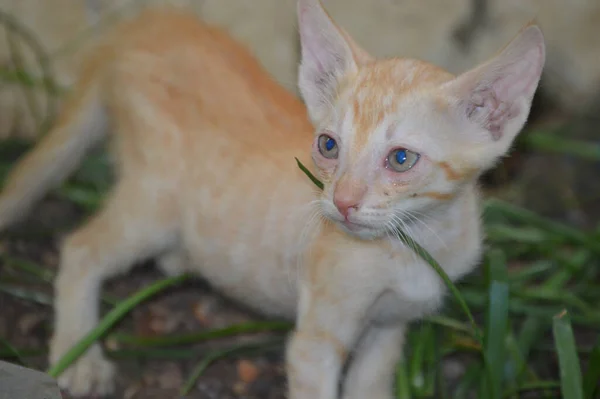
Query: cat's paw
[90, 375]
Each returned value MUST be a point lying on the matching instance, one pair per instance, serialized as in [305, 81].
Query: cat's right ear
[496, 97]
[328, 53]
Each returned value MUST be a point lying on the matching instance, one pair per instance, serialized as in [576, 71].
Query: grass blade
[238, 329]
[530, 333]
[219, 354]
[312, 177]
[532, 219]
[116, 314]
[534, 386]
[402, 381]
[497, 324]
[558, 143]
[30, 267]
[26, 294]
[420, 367]
[570, 371]
[515, 362]
[432, 360]
[13, 351]
[592, 376]
[468, 381]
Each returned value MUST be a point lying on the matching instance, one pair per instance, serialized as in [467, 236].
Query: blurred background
[553, 173]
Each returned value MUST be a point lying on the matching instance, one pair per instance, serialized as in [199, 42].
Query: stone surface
[23, 383]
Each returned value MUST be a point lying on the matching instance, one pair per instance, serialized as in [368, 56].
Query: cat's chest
[410, 291]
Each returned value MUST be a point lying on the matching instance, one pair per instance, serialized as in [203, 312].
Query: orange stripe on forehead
[368, 102]
[369, 108]
[375, 90]
[367, 115]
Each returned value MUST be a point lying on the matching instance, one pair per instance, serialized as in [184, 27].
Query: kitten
[205, 143]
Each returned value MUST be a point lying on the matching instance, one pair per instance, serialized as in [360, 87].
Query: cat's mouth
[357, 228]
[354, 226]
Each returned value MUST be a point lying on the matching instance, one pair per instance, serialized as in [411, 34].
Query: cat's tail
[81, 124]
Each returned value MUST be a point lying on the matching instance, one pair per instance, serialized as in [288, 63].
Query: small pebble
[202, 311]
[247, 371]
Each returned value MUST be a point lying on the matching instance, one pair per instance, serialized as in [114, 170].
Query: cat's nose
[344, 205]
[348, 195]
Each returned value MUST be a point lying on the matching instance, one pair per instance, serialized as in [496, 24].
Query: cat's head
[396, 137]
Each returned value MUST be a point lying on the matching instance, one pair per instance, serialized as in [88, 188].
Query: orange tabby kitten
[205, 143]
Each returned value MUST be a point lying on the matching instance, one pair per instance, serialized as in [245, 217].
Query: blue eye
[400, 160]
[327, 146]
[401, 156]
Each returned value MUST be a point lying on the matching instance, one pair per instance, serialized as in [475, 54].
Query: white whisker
[303, 247]
[411, 215]
[398, 221]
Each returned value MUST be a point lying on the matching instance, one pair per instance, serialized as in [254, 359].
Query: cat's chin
[360, 231]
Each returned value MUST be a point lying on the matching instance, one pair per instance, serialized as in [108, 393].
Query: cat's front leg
[327, 328]
[372, 370]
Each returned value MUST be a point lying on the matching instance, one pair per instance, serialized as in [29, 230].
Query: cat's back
[204, 67]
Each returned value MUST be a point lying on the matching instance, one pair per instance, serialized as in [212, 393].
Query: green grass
[512, 326]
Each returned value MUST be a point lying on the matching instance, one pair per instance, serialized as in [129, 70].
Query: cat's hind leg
[134, 224]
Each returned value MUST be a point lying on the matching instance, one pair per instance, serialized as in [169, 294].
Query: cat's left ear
[495, 98]
[328, 53]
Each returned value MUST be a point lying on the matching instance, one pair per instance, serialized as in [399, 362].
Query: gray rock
[18, 382]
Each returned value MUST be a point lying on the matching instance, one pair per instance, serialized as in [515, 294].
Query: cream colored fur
[205, 143]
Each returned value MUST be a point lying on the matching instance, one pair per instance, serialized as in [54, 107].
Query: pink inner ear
[310, 41]
[517, 79]
[487, 110]
[495, 100]
[324, 49]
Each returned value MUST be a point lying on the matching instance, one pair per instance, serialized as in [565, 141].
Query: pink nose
[344, 204]
[348, 195]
